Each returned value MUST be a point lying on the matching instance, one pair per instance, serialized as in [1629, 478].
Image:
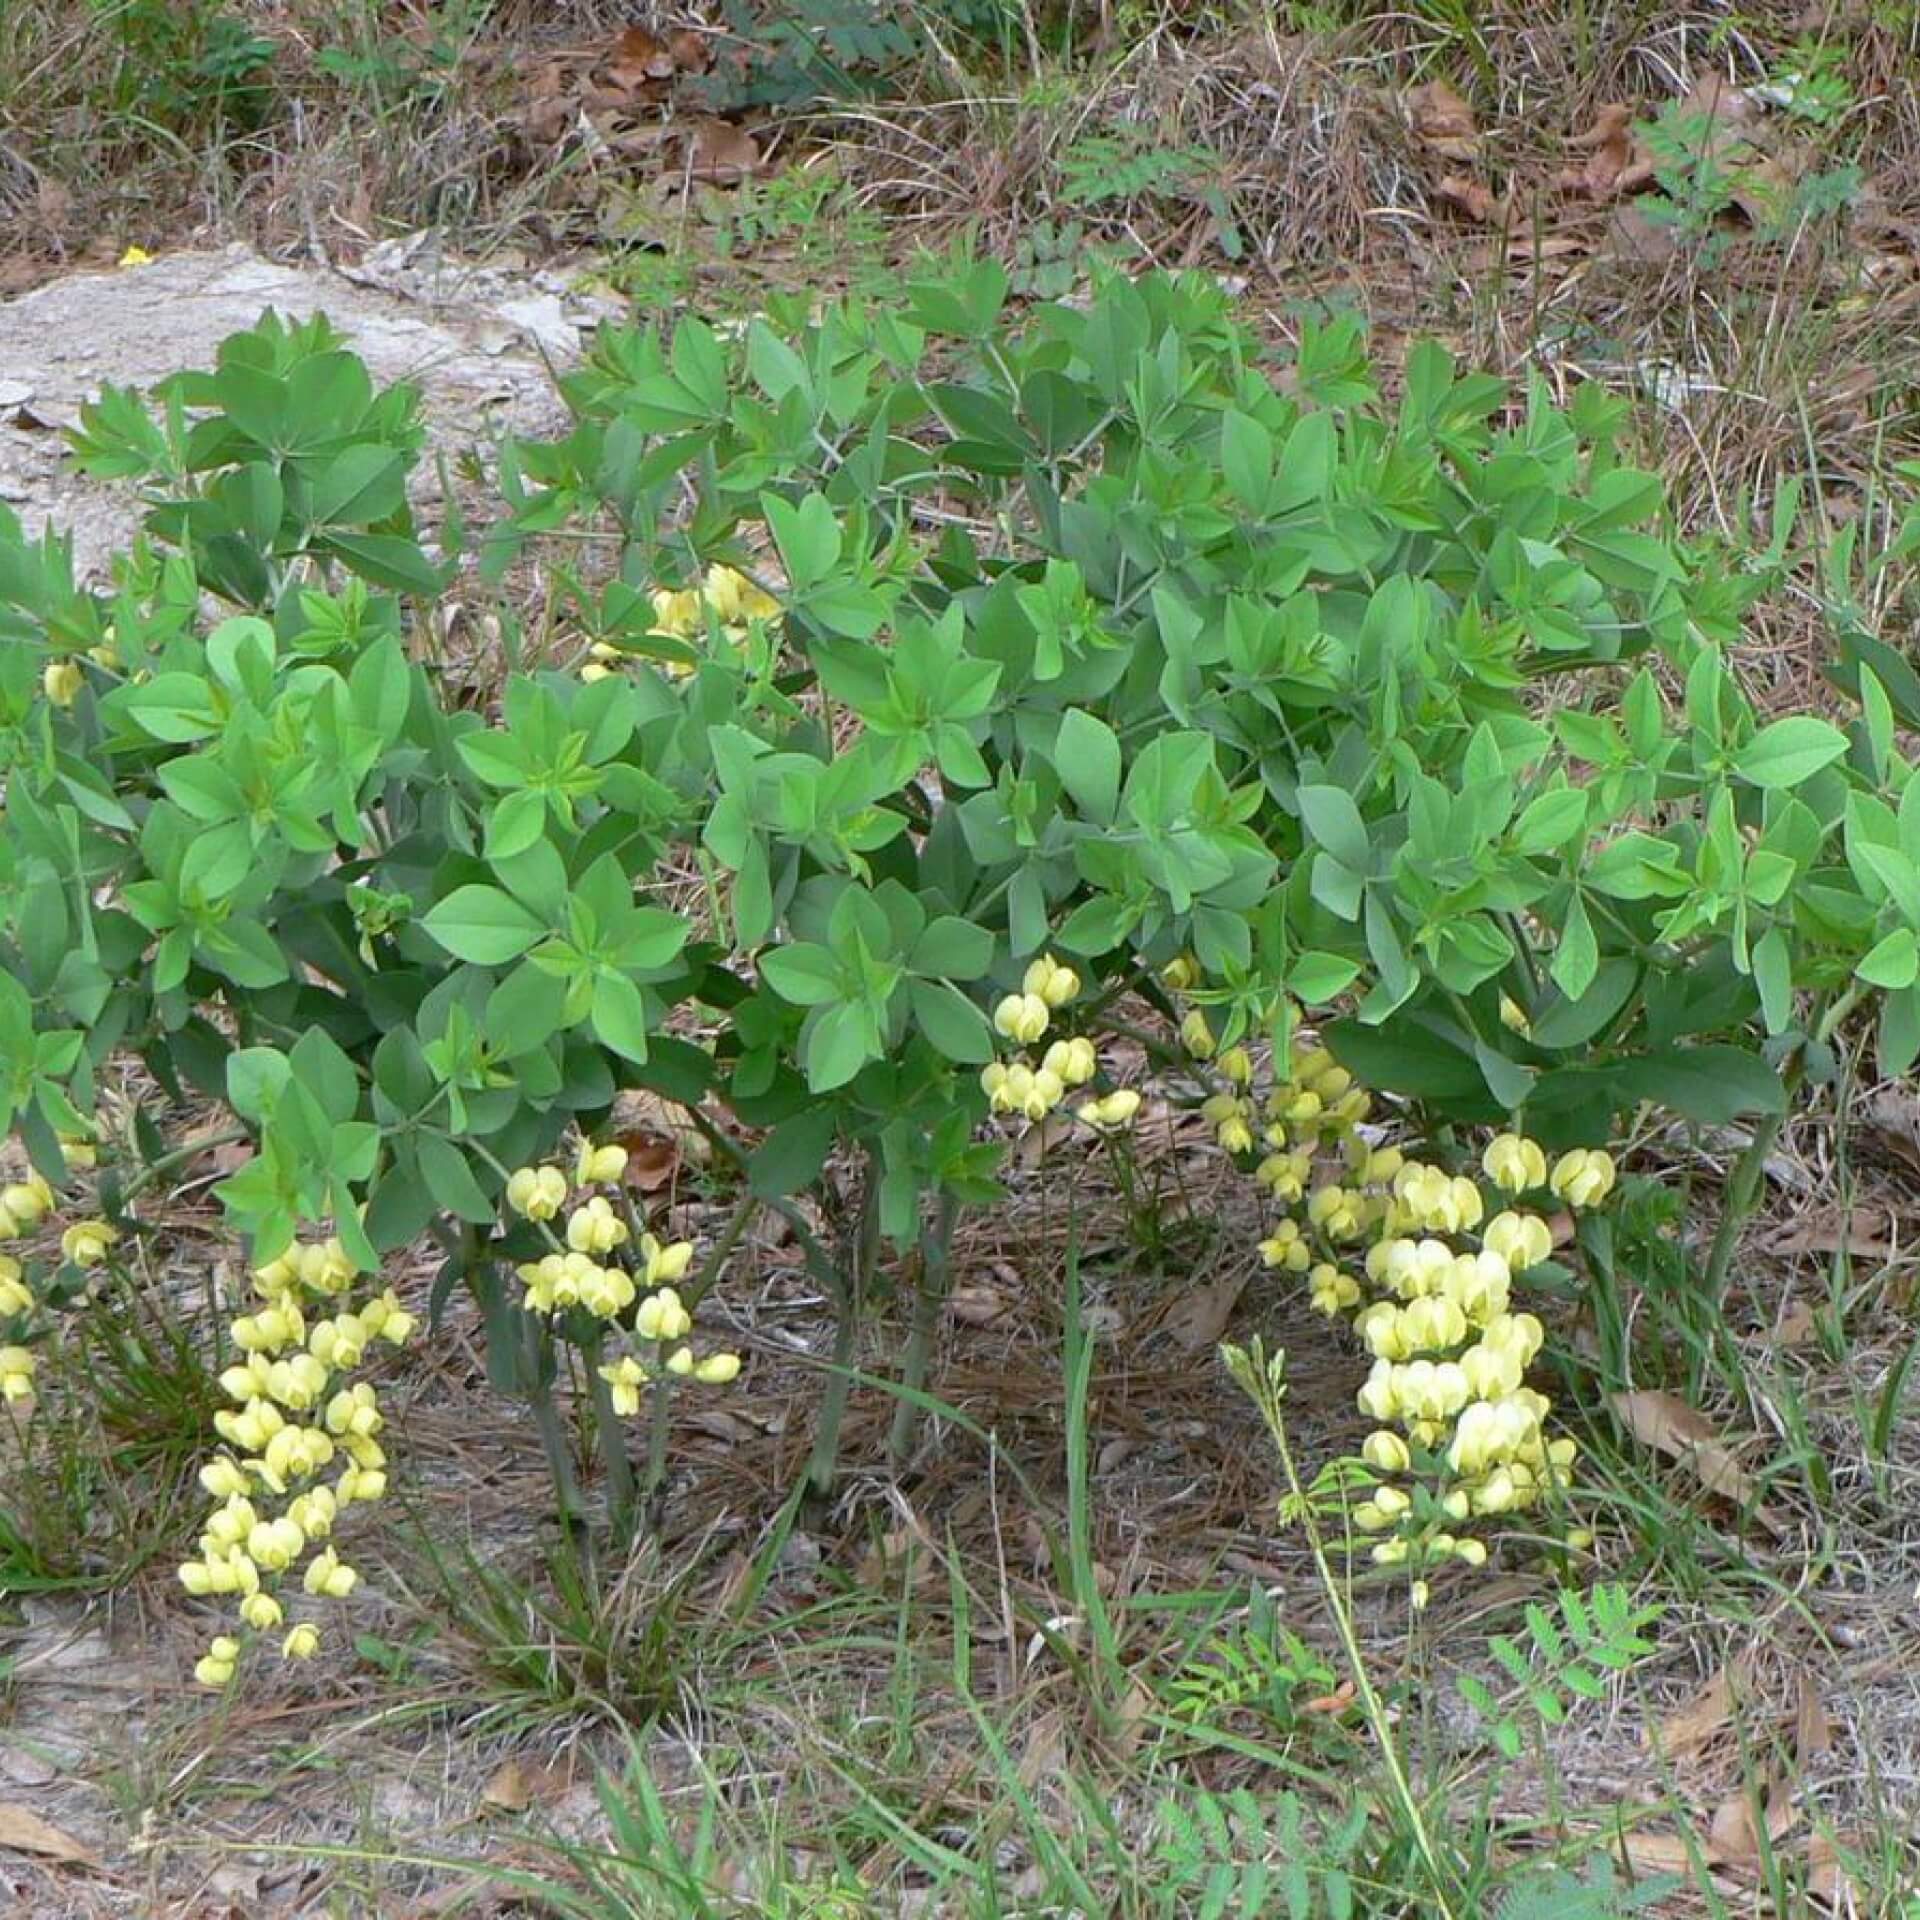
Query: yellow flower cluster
[637, 1293]
[1032, 1092]
[294, 1417]
[733, 600]
[1450, 1351]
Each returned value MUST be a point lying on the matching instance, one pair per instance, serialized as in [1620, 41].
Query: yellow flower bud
[302, 1643]
[86, 1242]
[211, 1672]
[1113, 1111]
[1514, 1163]
[61, 682]
[1181, 973]
[1237, 1065]
[28, 1201]
[717, 1369]
[1584, 1177]
[599, 1165]
[261, 1611]
[1385, 1452]
[1196, 1036]
[1513, 1016]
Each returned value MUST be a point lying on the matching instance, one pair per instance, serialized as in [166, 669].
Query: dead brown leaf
[976, 1306]
[636, 57]
[1616, 163]
[1199, 1317]
[1476, 201]
[1667, 1424]
[651, 1163]
[23, 1831]
[1797, 1325]
[722, 154]
[1443, 121]
[1868, 1233]
[517, 1785]
[691, 51]
[1687, 1730]
[1812, 1730]
[1338, 1701]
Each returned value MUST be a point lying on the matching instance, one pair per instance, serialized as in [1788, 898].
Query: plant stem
[1742, 1190]
[929, 1295]
[856, 1268]
[659, 1410]
[614, 1459]
[553, 1438]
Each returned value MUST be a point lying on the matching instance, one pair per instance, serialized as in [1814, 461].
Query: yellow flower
[717, 1369]
[1050, 981]
[16, 1373]
[1285, 1247]
[302, 1643]
[215, 1667]
[261, 1611]
[1181, 972]
[1196, 1036]
[1385, 1452]
[1237, 1065]
[329, 1577]
[678, 615]
[25, 1203]
[1522, 1240]
[1332, 1291]
[662, 1317]
[537, 1192]
[1236, 1136]
[15, 1297]
[1072, 1061]
[1514, 1163]
[136, 257]
[599, 1166]
[625, 1377]
[1021, 1017]
[1513, 1016]
[595, 1227]
[85, 1243]
[61, 682]
[1113, 1111]
[1584, 1177]
[735, 598]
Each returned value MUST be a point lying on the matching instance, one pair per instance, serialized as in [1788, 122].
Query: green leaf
[1086, 756]
[620, 1015]
[956, 1027]
[1577, 958]
[1569, 1023]
[802, 974]
[952, 949]
[1714, 1085]
[1773, 978]
[1334, 824]
[483, 925]
[1315, 978]
[515, 824]
[790, 1158]
[839, 1042]
[363, 484]
[1790, 751]
[1894, 963]
[450, 1180]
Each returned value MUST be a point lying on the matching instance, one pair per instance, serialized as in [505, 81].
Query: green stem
[659, 1411]
[614, 1460]
[856, 1268]
[1742, 1191]
[553, 1437]
[929, 1295]
[180, 1156]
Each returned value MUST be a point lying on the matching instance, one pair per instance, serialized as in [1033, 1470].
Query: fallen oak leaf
[1668, 1425]
[1443, 121]
[1616, 163]
[23, 1831]
[636, 57]
[1685, 1732]
[1476, 201]
[721, 154]
[1199, 1317]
